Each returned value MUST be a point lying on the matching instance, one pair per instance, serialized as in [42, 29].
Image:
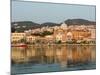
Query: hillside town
[73, 34]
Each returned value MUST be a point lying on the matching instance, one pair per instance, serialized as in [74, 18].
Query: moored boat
[19, 45]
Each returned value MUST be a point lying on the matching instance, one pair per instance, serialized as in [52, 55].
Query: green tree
[58, 42]
[23, 40]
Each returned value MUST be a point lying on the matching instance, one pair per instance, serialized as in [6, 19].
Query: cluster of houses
[63, 33]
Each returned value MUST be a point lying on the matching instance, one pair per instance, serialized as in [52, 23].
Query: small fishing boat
[19, 45]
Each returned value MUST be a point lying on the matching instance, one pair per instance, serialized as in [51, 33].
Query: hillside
[79, 22]
[26, 25]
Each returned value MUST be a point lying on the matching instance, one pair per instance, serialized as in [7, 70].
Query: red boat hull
[19, 46]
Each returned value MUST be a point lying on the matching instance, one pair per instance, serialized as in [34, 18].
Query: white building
[63, 26]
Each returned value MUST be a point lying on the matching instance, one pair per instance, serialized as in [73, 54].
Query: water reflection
[64, 55]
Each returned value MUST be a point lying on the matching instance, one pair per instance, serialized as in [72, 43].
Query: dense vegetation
[43, 33]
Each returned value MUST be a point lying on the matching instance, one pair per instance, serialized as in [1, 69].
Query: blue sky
[50, 12]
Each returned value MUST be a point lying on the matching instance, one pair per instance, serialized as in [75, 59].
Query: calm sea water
[44, 58]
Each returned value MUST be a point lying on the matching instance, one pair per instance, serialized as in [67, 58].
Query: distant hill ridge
[26, 25]
[79, 22]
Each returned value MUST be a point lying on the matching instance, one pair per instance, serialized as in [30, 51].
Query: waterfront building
[80, 34]
[93, 33]
[49, 38]
[60, 35]
[30, 39]
[15, 37]
[73, 33]
[69, 36]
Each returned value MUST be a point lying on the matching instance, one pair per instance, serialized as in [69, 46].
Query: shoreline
[54, 44]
